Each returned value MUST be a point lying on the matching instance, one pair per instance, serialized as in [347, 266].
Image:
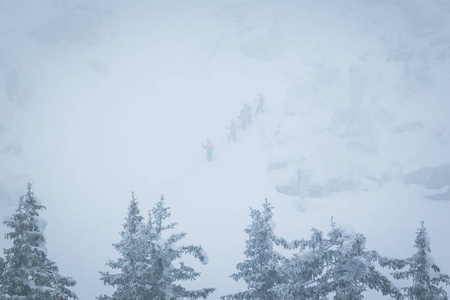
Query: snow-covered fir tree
[303, 270]
[337, 265]
[146, 266]
[260, 269]
[425, 274]
[161, 251]
[2, 267]
[350, 268]
[129, 281]
[26, 271]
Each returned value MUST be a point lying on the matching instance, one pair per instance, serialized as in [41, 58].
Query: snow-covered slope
[101, 99]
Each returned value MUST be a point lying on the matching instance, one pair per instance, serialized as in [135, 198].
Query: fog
[98, 99]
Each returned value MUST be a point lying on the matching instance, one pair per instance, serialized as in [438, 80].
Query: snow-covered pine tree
[350, 269]
[27, 272]
[423, 271]
[129, 281]
[161, 251]
[260, 269]
[2, 267]
[338, 264]
[302, 272]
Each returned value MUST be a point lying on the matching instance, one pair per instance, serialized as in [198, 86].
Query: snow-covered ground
[98, 100]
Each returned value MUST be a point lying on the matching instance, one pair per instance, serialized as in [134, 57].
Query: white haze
[112, 97]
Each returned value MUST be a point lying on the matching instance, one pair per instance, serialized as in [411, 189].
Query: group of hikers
[245, 117]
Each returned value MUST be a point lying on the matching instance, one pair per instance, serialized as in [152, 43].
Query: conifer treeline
[334, 265]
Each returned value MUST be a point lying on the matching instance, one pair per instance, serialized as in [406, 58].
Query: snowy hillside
[98, 100]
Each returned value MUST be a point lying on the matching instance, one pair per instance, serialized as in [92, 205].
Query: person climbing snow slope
[209, 147]
[260, 104]
[232, 128]
[245, 116]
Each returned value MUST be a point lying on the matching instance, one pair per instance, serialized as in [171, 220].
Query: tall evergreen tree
[129, 281]
[350, 268]
[423, 271]
[27, 272]
[2, 268]
[338, 264]
[146, 269]
[260, 269]
[161, 251]
[303, 271]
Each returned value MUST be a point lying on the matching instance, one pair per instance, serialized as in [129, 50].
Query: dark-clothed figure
[260, 104]
[232, 128]
[245, 116]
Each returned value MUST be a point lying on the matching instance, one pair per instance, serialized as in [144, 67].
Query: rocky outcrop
[431, 178]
